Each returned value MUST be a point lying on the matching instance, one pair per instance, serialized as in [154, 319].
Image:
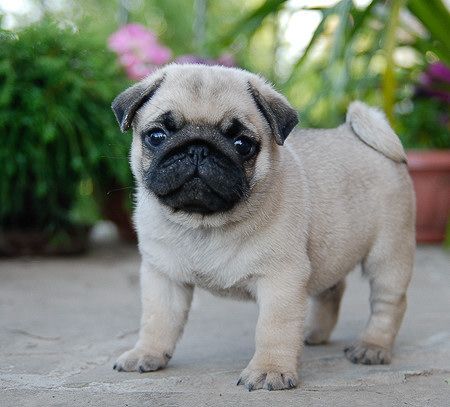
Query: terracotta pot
[430, 172]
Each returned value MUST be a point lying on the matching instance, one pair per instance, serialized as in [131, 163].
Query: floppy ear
[131, 100]
[275, 108]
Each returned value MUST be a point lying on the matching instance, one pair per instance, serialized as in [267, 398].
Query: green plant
[60, 142]
[359, 53]
[426, 126]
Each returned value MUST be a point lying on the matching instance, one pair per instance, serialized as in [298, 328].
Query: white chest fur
[206, 257]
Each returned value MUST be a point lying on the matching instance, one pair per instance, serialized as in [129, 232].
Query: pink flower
[140, 53]
[128, 59]
[131, 37]
[138, 50]
[159, 54]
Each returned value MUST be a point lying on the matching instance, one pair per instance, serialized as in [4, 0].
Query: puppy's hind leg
[323, 314]
[388, 267]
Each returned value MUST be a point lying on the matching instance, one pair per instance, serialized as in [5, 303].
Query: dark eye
[154, 137]
[244, 146]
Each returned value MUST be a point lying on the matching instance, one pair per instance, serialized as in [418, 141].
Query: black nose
[197, 153]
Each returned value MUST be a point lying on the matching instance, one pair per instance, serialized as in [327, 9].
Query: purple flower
[193, 59]
[224, 60]
[439, 71]
[435, 83]
[138, 49]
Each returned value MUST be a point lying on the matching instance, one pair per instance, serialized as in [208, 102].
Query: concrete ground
[63, 321]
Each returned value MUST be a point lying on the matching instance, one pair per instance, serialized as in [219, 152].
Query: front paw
[368, 354]
[269, 379]
[140, 360]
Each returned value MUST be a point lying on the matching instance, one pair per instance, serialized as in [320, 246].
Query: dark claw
[115, 366]
[270, 387]
[141, 369]
[250, 387]
[381, 359]
[291, 383]
[168, 356]
[239, 382]
[364, 357]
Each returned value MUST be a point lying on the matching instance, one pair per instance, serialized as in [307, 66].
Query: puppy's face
[203, 136]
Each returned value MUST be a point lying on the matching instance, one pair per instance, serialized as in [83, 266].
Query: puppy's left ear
[275, 108]
[132, 99]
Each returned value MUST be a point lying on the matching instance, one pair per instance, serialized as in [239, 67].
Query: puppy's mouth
[195, 196]
[197, 178]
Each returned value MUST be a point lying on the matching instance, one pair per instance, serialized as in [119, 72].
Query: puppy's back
[365, 147]
[356, 191]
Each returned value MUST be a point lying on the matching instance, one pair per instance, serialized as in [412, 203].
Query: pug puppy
[226, 203]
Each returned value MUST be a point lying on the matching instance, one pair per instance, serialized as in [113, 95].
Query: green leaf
[56, 87]
[252, 21]
[435, 16]
[389, 81]
[361, 17]
[338, 43]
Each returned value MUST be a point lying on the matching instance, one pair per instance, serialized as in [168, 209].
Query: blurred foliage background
[63, 156]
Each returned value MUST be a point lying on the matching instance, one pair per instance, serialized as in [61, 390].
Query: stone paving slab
[63, 321]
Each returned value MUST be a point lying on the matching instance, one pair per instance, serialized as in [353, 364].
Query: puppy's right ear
[131, 100]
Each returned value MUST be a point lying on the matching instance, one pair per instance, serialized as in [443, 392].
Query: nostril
[204, 151]
[198, 153]
[191, 151]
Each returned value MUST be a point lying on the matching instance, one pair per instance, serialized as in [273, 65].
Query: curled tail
[371, 126]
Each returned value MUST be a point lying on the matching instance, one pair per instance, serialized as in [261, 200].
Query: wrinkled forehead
[202, 96]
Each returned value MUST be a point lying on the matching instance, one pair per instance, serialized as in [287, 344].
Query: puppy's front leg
[282, 303]
[165, 307]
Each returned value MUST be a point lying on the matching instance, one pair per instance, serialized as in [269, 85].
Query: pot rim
[429, 160]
